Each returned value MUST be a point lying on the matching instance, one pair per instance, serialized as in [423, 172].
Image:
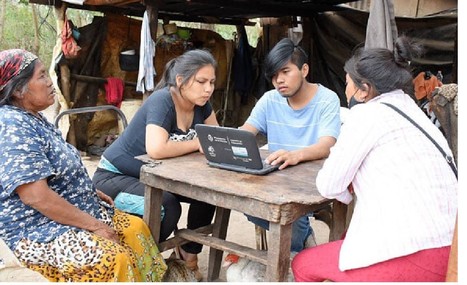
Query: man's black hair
[283, 52]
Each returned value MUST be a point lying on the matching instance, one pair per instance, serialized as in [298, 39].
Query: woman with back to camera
[406, 191]
[163, 127]
[51, 216]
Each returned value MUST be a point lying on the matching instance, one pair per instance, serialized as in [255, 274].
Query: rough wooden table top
[296, 184]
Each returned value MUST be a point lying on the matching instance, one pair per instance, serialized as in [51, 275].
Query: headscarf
[12, 63]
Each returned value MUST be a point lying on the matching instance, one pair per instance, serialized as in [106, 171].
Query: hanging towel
[114, 91]
[147, 50]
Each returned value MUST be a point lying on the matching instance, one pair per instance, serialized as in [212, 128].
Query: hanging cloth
[242, 66]
[295, 34]
[70, 47]
[381, 29]
[147, 50]
[114, 91]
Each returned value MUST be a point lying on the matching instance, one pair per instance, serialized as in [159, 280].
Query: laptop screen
[229, 146]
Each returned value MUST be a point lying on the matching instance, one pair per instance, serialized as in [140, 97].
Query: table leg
[152, 211]
[339, 218]
[221, 222]
[278, 252]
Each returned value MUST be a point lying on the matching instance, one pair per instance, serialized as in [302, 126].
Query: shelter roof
[207, 11]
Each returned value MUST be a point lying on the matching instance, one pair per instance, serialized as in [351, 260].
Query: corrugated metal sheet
[410, 8]
[363, 5]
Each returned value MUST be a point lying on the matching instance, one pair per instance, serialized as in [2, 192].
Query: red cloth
[70, 47]
[114, 91]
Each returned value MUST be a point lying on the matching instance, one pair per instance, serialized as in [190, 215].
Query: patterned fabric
[80, 256]
[426, 108]
[12, 62]
[448, 91]
[180, 137]
[33, 149]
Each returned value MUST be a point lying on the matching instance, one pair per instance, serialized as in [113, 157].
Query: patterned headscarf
[12, 63]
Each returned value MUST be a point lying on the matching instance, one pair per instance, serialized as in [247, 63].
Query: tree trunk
[2, 18]
[36, 45]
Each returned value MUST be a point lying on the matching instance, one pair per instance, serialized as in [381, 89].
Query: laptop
[232, 149]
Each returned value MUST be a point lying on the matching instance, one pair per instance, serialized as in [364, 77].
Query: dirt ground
[240, 230]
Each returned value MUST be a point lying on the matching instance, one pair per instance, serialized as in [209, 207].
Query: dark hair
[383, 69]
[185, 65]
[280, 54]
[19, 83]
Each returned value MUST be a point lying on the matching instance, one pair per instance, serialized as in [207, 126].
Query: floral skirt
[81, 256]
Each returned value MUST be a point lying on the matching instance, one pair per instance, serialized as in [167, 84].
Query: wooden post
[451, 275]
[65, 83]
[64, 69]
[65, 89]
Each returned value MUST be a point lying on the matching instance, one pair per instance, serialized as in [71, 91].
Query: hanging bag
[129, 54]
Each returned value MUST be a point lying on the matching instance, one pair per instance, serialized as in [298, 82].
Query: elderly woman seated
[52, 217]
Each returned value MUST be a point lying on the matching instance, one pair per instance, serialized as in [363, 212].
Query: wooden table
[280, 197]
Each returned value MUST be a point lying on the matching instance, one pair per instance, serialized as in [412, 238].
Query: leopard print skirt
[81, 256]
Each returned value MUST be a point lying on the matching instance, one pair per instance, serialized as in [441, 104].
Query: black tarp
[336, 34]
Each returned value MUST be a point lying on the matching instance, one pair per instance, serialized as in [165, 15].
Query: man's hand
[284, 158]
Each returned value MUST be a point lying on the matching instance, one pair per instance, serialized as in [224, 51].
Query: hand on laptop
[284, 158]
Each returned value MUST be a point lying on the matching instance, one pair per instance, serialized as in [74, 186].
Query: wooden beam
[178, 241]
[260, 256]
[97, 80]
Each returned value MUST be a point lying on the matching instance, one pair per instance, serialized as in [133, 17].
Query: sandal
[192, 264]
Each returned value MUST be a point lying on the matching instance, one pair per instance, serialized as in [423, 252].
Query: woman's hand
[107, 232]
[106, 198]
